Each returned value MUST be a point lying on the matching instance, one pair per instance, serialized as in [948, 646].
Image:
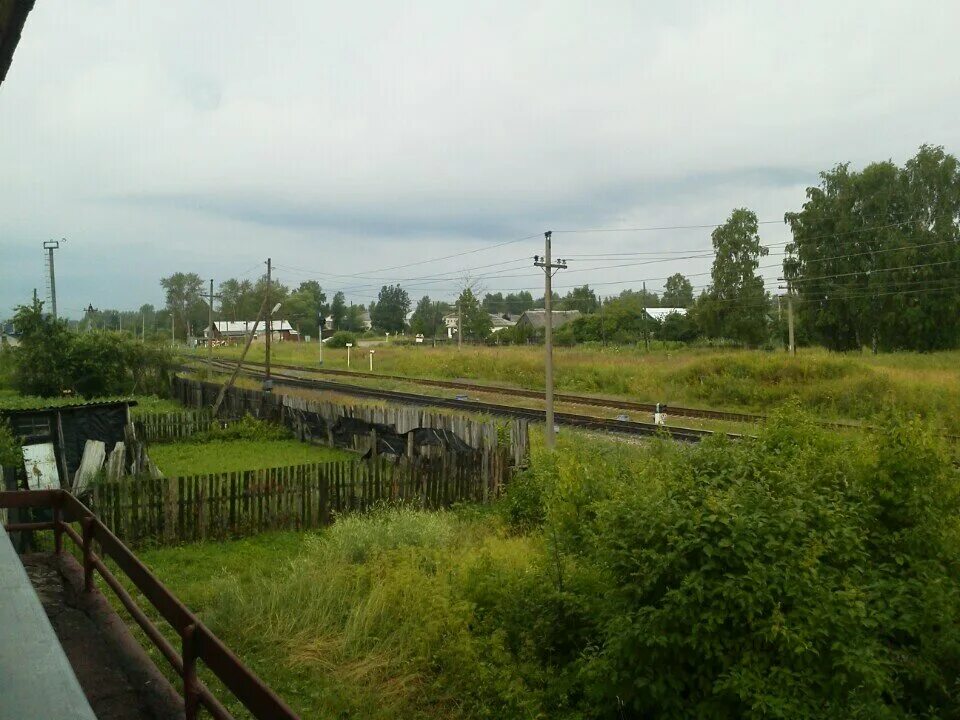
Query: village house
[236, 331]
[535, 320]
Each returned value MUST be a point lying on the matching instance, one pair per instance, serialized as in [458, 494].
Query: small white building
[659, 314]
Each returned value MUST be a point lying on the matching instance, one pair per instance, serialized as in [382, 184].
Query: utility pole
[791, 343]
[173, 327]
[320, 334]
[50, 246]
[548, 268]
[459, 325]
[646, 336]
[210, 298]
[267, 382]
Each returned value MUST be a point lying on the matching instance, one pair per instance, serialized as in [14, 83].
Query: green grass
[180, 459]
[848, 386]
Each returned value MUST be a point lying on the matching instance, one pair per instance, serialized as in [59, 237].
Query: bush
[340, 339]
[11, 454]
[246, 428]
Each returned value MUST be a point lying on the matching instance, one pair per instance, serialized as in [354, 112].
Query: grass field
[179, 459]
[836, 386]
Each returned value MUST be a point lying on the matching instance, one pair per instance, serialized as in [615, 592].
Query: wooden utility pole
[236, 370]
[791, 343]
[459, 324]
[646, 336]
[548, 268]
[267, 382]
[210, 298]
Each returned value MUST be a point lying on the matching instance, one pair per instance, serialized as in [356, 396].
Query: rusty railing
[198, 643]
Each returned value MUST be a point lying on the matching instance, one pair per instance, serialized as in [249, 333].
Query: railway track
[571, 398]
[587, 422]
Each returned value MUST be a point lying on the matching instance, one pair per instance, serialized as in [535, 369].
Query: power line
[663, 227]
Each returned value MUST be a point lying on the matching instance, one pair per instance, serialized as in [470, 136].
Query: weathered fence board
[233, 504]
[173, 426]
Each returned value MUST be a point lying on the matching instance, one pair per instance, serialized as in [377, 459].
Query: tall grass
[837, 386]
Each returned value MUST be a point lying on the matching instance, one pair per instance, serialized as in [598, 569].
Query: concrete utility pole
[267, 382]
[548, 268]
[50, 246]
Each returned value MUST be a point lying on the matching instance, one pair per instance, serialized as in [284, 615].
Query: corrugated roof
[69, 404]
[661, 313]
[537, 318]
[245, 326]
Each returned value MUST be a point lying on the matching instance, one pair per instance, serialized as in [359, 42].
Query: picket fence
[172, 426]
[234, 504]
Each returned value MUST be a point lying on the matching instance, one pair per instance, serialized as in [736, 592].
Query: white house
[659, 314]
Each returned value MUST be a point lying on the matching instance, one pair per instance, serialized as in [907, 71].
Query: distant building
[659, 314]
[536, 319]
[364, 322]
[236, 331]
[450, 322]
[500, 321]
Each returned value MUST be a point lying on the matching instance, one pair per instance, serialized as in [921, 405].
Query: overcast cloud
[343, 138]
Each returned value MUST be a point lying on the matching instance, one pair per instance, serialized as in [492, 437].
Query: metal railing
[198, 643]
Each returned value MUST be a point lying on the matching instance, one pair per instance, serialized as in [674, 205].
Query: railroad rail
[572, 398]
[587, 422]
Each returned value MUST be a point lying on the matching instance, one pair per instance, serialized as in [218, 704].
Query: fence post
[191, 696]
[58, 527]
[87, 523]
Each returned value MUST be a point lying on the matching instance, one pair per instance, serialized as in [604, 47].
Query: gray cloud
[350, 137]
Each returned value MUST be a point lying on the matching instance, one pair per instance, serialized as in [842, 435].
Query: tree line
[873, 262]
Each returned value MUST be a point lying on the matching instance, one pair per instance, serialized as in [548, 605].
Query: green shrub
[11, 454]
[246, 428]
[340, 339]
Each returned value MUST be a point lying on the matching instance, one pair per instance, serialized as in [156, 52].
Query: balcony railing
[197, 642]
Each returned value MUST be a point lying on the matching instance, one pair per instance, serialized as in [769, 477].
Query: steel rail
[625, 427]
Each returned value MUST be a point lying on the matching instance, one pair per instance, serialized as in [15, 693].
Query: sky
[362, 143]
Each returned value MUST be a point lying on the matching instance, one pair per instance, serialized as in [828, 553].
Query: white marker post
[349, 345]
[371, 361]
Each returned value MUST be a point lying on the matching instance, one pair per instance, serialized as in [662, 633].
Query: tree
[353, 319]
[582, 299]
[390, 311]
[183, 292]
[427, 318]
[677, 292]
[494, 303]
[736, 305]
[517, 303]
[338, 311]
[474, 320]
[304, 307]
[875, 254]
[42, 364]
[237, 301]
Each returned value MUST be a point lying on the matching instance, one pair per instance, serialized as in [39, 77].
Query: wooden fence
[483, 434]
[223, 505]
[172, 426]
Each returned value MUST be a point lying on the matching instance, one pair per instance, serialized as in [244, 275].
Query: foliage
[353, 320]
[246, 428]
[474, 320]
[677, 292]
[338, 310]
[875, 252]
[427, 318]
[390, 312]
[50, 360]
[184, 299]
[340, 339]
[736, 305]
[582, 298]
[11, 454]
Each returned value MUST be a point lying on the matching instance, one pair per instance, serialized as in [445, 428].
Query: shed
[62, 431]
